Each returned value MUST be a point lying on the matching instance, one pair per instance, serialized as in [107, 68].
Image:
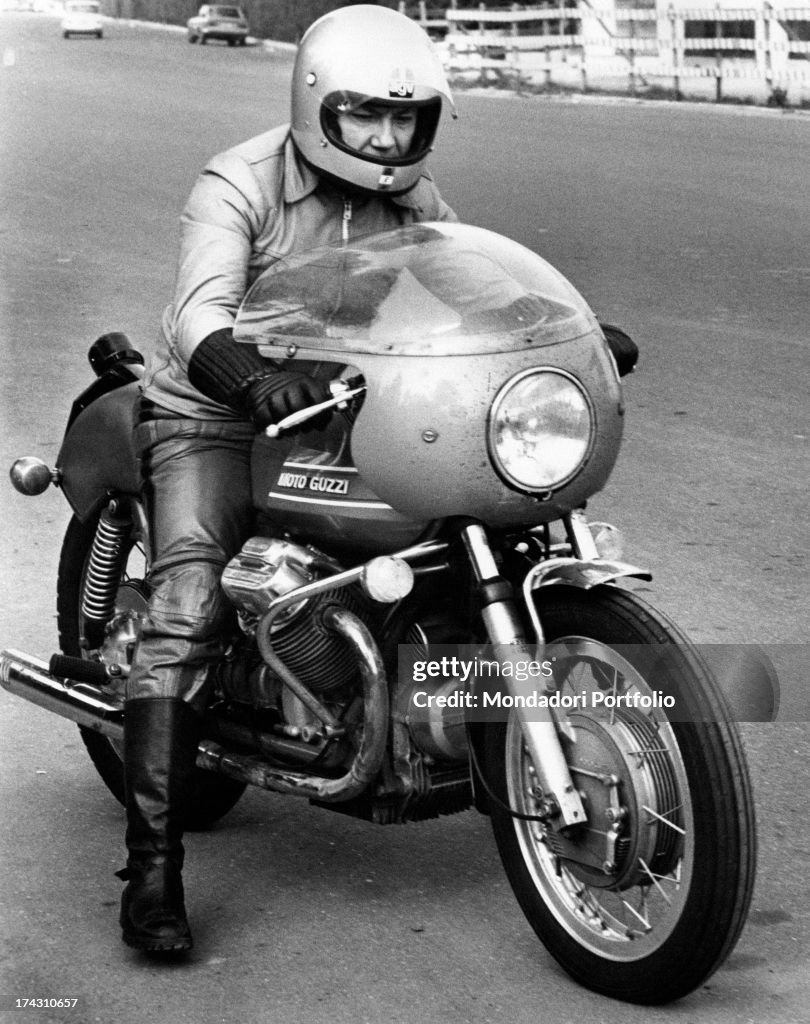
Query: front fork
[507, 636]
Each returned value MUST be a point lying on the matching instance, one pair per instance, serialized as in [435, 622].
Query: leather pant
[197, 489]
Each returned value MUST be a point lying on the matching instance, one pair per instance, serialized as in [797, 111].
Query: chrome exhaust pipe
[83, 703]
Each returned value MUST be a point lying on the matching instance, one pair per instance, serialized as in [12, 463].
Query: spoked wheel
[113, 642]
[645, 901]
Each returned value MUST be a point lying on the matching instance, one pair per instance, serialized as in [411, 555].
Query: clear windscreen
[425, 289]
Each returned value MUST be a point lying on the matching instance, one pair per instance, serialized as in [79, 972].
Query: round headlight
[540, 429]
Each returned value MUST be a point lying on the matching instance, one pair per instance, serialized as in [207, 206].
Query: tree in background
[287, 20]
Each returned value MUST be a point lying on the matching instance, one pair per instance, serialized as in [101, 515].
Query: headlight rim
[543, 493]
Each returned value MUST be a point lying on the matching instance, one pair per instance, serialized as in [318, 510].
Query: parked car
[82, 18]
[217, 21]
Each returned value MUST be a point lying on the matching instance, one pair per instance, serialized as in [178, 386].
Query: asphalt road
[687, 225]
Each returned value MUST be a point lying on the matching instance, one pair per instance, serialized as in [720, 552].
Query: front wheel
[649, 898]
[213, 795]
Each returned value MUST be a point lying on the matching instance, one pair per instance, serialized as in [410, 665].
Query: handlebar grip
[297, 418]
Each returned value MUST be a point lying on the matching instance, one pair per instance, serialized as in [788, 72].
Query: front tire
[648, 901]
[214, 795]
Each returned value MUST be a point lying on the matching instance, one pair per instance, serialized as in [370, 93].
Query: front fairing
[437, 318]
[422, 291]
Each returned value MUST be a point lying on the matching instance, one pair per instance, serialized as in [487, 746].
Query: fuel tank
[310, 488]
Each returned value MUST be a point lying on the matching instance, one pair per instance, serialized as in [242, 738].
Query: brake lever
[295, 419]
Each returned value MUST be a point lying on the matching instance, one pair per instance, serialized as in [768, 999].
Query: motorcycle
[424, 620]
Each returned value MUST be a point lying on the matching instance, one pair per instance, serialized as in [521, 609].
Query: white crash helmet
[357, 55]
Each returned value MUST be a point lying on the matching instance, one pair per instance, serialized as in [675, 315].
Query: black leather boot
[160, 748]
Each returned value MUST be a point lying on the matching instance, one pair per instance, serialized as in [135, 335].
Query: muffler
[81, 702]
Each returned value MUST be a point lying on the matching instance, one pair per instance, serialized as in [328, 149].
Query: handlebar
[342, 390]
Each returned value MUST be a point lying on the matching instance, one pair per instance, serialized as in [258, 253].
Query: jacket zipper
[347, 219]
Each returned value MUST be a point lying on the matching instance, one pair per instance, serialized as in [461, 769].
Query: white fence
[763, 48]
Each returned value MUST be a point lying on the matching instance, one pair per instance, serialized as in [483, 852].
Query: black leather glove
[237, 376]
[269, 399]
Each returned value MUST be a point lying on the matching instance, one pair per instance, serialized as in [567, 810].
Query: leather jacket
[251, 206]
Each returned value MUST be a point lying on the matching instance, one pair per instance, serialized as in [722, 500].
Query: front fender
[573, 572]
[577, 572]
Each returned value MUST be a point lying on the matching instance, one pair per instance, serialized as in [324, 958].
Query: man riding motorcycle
[367, 94]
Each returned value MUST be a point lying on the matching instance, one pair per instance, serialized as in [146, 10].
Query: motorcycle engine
[269, 567]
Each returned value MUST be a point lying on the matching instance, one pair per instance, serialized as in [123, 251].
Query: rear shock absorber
[104, 568]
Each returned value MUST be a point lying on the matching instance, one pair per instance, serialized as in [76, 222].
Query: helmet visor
[349, 119]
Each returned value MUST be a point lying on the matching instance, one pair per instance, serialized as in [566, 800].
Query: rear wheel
[214, 795]
[647, 901]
